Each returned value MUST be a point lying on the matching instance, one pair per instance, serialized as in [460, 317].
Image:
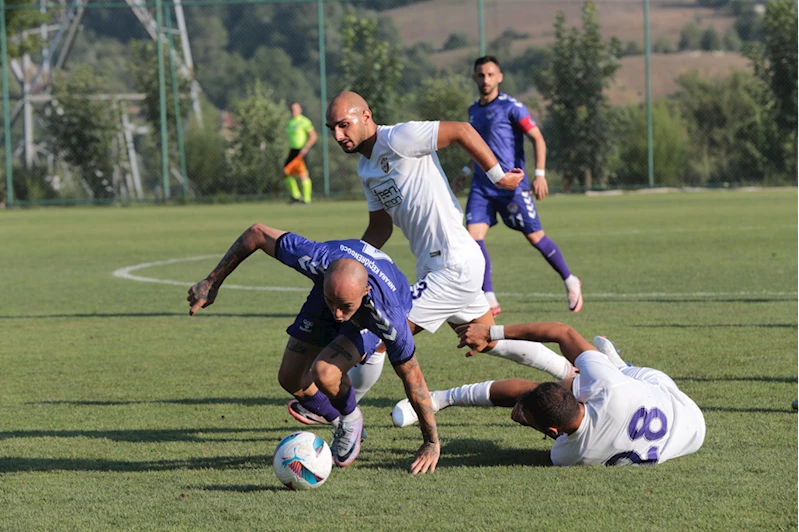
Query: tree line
[738, 129]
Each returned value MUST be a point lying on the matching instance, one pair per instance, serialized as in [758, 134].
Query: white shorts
[453, 294]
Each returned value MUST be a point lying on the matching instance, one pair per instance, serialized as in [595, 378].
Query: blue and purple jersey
[384, 308]
[502, 123]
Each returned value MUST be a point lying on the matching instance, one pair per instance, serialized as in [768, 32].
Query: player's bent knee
[535, 238]
[327, 377]
[289, 379]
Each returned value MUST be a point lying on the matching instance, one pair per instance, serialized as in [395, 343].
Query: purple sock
[488, 283]
[346, 403]
[551, 252]
[319, 404]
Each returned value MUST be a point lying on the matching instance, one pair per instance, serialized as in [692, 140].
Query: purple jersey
[502, 123]
[384, 308]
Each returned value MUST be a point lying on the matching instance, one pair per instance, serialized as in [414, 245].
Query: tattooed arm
[258, 236]
[419, 396]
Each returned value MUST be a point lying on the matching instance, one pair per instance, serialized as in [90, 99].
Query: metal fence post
[159, 15]
[481, 25]
[650, 158]
[6, 114]
[320, 13]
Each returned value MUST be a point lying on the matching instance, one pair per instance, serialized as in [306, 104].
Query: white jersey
[633, 415]
[404, 177]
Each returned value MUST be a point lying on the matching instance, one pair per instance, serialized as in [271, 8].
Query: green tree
[370, 66]
[144, 71]
[749, 23]
[711, 39]
[206, 163]
[446, 97]
[690, 37]
[457, 40]
[582, 66]
[733, 137]
[19, 20]
[663, 46]
[775, 65]
[731, 40]
[671, 146]
[83, 130]
[775, 62]
[632, 48]
[258, 145]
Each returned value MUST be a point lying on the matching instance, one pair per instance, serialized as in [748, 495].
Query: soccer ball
[302, 461]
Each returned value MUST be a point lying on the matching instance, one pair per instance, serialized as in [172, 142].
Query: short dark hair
[486, 59]
[293, 102]
[551, 405]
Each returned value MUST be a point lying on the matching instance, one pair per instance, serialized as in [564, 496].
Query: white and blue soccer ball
[302, 461]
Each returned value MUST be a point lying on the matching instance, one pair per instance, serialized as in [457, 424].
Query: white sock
[571, 280]
[364, 376]
[534, 355]
[492, 298]
[467, 395]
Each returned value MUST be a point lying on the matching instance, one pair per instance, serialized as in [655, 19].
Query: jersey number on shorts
[417, 289]
[515, 220]
[641, 427]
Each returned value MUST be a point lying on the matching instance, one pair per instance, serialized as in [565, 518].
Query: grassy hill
[433, 22]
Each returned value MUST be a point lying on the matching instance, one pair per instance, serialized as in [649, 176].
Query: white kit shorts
[453, 294]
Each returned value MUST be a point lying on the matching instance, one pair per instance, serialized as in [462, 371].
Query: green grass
[118, 411]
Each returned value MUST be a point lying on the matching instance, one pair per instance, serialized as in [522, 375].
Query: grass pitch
[119, 412]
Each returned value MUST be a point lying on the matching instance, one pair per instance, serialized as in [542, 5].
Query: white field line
[125, 273]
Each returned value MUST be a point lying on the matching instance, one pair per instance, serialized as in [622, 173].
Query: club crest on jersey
[513, 208]
[384, 164]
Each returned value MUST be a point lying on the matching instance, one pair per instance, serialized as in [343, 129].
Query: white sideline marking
[125, 273]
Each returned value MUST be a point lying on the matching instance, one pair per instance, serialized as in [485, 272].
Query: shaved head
[349, 119]
[346, 282]
[347, 101]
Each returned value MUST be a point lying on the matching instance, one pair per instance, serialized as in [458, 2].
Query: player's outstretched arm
[258, 236]
[540, 185]
[419, 397]
[463, 134]
[477, 336]
[379, 229]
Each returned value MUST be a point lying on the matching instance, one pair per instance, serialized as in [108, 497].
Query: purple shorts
[517, 211]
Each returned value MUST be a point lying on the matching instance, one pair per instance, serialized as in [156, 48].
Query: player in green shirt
[302, 136]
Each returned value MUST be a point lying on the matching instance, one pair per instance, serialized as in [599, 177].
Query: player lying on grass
[611, 413]
[405, 185]
[359, 299]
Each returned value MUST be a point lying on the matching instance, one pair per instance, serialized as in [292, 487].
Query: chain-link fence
[133, 101]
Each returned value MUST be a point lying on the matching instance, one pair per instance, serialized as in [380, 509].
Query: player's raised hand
[512, 179]
[426, 458]
[201, 295]
[540, 188]
[475, 335]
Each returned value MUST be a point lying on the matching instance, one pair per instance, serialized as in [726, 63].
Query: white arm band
[495, 173]
[539, 172]
[466, 170]
[497, 332]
